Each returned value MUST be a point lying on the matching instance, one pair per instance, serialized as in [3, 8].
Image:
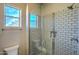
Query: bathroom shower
[66, 31]
[57, 33]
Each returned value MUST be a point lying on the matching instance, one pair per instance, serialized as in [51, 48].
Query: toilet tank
[13, 50]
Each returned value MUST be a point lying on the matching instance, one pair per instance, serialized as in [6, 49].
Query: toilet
[13, 50]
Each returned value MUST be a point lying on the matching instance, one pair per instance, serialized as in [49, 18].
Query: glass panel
[12, 22]
[9, 11]
[33, 20]
[33, 25]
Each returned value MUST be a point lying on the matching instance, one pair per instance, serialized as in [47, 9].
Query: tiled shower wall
[66, 26]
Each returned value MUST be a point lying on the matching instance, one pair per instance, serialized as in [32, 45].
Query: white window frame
[20, 20]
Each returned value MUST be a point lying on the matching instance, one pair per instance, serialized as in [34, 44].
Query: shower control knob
[74, 40]
[53, 32]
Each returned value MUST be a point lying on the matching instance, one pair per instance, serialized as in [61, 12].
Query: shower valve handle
[74, 40]
[53, 32]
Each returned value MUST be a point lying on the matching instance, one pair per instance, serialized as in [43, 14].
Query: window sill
[3, 29]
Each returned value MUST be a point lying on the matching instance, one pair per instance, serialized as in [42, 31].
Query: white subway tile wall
[66, 26]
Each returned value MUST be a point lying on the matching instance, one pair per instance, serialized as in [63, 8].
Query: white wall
[49, 8]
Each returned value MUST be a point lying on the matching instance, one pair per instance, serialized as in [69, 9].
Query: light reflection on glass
[33, 21]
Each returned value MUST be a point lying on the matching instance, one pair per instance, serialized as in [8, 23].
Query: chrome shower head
[71, 7]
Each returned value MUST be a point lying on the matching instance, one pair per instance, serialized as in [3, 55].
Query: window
[12, 17]
[33, 21]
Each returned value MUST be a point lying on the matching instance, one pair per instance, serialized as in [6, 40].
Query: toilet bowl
[42, 49]
[12, 50]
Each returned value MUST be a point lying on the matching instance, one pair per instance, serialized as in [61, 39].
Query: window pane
[12, 22]
[9, 11]
[33, 20]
